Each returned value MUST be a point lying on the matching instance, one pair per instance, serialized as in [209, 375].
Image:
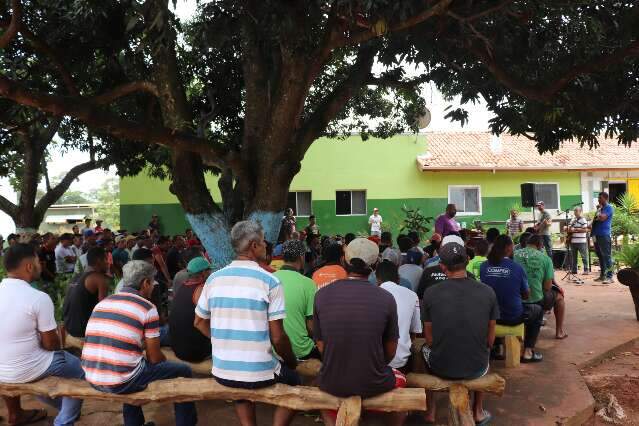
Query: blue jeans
[185, 413]
[165, 337]
[547, 244]
[603, 248]
[68, 366]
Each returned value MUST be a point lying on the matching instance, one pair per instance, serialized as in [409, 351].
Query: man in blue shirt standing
[601, 230]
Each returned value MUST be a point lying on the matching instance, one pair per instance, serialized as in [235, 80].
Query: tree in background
[107, 201]
[252, 84]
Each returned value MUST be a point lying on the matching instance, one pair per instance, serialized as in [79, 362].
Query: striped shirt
[114, 345]
[240, 300]
[580, 228]
[514, 226]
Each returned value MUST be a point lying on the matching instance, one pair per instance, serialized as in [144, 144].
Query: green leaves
[414, 220]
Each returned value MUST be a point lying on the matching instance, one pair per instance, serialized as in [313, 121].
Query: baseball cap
[452, 239]
[293, 249]
[88, 233]
[452, 253]
[197, 265]
[539, 203]
[364, 249]
[375, 209]
[119, 238]
[392, 255]
[413, 257]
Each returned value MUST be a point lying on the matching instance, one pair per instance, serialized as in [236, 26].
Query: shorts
[426, 351]
[400, 382]
[286, 377]
[313, 354]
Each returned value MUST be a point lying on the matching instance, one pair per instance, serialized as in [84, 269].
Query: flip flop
[30, 417]
[536, 357]
[486, 420]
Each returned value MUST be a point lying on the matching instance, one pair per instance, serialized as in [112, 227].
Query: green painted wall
[386, 169]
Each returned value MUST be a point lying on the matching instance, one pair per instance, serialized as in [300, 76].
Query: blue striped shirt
[240, 300]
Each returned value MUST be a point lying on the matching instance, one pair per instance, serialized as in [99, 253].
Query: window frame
[297, 203]
[480, 204]
[558, 194]
[351, 192]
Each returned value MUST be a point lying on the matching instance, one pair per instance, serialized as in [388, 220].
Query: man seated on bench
[242, 310]
[120, 328]
[541, 274]
[30, 348]
[187, 342]
[508, 280]
[355, 326]
[459, 317]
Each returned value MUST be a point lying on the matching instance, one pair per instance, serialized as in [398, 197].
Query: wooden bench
[513, 338]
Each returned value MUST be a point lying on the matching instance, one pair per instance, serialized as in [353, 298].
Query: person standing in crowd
[186, 341]
[84, 293]
[355, 328]
[386, 241]
[47, 257]
[129, 320]
[87, 225]
[64, 255]
[514, 225]
[542, 227]
[601, 232]
[510, 283]
[299, 294]
[159, 259]
[408, 316]
[481, 251]
[312, 256]
[578, 231]
[332, 270]
[77, 246]
[312, 228]
[154, 225]
[288, 226]
[30, 349]
[375, 221]
[445, 223]
[98, 226]
[75, 230]
[120, 255]
[459, 317]
[242, 309]
[540, 274]
[174, 256]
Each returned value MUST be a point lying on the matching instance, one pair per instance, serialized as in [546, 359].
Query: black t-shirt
[353, 318]
[48, 257]
[78, 305]
[459, 310]
[173, 261]
[431, 276]
[187, 342]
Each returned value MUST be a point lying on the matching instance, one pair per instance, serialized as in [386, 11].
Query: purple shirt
[445, 225]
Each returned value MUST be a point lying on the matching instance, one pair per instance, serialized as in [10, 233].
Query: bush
[628, 256]
[414, 220]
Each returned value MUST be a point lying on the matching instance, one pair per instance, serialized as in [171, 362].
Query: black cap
[452, 254]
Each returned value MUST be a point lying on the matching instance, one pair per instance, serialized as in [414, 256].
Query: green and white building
[341, 181]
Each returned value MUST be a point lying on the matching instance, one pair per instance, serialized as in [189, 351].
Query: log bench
[349, 409]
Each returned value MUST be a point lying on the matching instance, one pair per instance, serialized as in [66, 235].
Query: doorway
[616, 190]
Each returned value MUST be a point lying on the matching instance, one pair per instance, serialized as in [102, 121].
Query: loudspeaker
[528, 195]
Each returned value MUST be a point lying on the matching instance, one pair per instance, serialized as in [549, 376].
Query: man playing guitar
[542, 227]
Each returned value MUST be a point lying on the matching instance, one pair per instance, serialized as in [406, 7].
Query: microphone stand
[567, 263]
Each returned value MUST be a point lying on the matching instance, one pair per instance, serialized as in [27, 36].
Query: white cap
[453, 239]
[364, 249]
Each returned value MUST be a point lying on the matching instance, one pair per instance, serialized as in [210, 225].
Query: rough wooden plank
[491, 383]
[513, 351]
[350, 411]
[459, 408]
[301, 398]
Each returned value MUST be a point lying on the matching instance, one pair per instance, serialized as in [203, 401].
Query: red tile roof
[482, 151]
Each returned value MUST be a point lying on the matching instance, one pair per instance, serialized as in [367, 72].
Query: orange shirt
[328, 274]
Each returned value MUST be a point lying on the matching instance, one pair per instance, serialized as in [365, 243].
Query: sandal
[536, 357]
[486, 420]
[30, 417]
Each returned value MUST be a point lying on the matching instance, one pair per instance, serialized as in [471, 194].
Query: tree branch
[14, 25]
[333, 103]
[439, 8]
[480, 14]
[8, 207]
[544, 94]
[53, 194]
[84, 110]
[386, 81]
[125, 90]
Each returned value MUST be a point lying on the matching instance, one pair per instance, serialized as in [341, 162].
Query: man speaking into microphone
[601, 232]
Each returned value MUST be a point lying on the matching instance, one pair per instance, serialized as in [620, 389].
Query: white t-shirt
[408, 320]
[411, 273]
[61, 265]
[376, 223]
[28, 311]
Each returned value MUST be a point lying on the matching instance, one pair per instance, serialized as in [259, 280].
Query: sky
[478, 121]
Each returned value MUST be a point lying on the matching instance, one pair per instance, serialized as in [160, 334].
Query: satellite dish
[423, 120]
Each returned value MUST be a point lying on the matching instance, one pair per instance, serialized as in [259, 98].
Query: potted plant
[629, 257]
[415, 220]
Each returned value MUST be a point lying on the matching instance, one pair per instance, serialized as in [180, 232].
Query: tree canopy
[247, 86]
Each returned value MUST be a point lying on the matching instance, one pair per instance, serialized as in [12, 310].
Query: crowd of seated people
[357, 304]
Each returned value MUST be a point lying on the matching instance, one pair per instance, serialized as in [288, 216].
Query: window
[467, 199]
[350, 202]
[300, 202]
[548, 193]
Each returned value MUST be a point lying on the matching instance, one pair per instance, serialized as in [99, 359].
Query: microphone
[577, 204]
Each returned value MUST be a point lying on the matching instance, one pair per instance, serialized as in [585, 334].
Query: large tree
[247, 86]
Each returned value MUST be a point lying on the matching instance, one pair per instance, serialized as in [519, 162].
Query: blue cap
[88, 233]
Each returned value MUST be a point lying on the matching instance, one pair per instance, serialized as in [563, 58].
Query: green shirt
[538, 267]
[299, 297]
[474, 264]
